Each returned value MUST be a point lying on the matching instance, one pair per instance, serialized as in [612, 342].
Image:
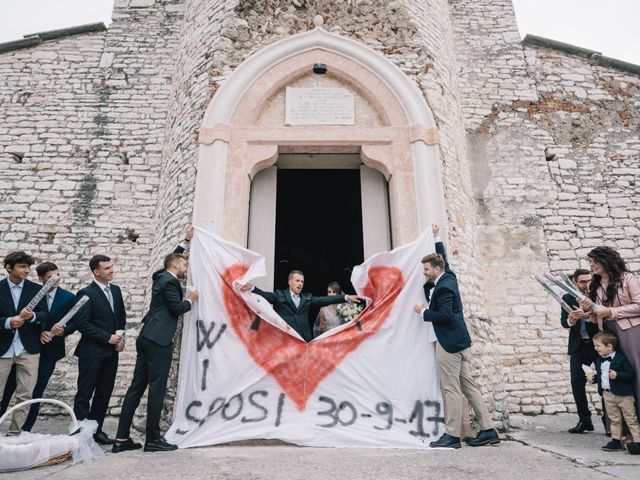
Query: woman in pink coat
[617, 292]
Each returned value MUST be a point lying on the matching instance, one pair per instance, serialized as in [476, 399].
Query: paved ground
[536, 448]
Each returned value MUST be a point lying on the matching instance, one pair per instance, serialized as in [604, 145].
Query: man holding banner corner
[444, 311]
[154, 348]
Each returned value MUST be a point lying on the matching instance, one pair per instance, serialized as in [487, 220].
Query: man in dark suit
[59, 302]
[154, 351]
[101, 321]
[19, 332]
[580, 349]
[294, 306]
[452, 351]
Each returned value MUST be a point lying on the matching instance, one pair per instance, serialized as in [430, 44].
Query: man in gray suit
[154, 350]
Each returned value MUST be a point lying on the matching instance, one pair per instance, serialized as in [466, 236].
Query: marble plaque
[319, 106]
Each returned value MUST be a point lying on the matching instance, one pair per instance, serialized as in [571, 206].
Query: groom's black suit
[297, 318]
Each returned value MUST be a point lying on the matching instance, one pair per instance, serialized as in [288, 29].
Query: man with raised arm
[154, 348]
[294, 306]
[444, 311]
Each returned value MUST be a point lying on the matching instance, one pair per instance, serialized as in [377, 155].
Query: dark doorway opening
[318, 227]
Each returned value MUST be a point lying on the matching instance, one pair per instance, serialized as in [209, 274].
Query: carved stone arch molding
[235, 144]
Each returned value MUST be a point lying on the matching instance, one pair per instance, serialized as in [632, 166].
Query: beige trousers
[619, 407]
[26, 378]
[455, 379]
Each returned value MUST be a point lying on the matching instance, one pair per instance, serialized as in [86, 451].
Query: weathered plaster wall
[553, 142]
[80, 154]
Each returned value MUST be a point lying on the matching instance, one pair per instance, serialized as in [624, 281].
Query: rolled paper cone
[46, 288]
[566, 279]
[551, 292]
[64, 320]
[567, 288]
[571, 290]
[565, 306]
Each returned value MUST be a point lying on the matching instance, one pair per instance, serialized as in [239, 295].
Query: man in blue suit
[444, 311]
[59, 302]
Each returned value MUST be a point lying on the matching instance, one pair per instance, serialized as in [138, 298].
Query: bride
[328, 317]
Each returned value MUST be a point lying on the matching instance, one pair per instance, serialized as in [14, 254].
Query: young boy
[615, 376]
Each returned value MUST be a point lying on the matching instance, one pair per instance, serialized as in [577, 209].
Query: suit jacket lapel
[103, 298]
[55, 305]
[5, 293]
[287, 294]
[435, 289]
[427, 290]
[176, 282]
[615, 363]
[302, 300]
[24, 294]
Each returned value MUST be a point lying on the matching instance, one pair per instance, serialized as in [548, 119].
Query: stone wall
[535, 118]
[591, 113]
[80, 155]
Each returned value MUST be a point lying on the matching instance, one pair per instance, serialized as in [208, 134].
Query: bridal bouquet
[349, 311]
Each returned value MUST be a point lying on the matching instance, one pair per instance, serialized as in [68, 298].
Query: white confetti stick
[46, 288]
[64, 320]
[570, 290]
[565, 306]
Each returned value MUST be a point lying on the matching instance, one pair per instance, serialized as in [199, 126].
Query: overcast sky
[609, 26]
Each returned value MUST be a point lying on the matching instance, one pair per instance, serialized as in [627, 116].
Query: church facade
[527, 152]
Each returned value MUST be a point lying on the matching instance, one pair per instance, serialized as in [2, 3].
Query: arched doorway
[392, 138]
[319, 213]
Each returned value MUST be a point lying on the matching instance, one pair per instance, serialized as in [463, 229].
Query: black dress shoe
[446, 441]
[102, 438]
[613, 446]
[484, 437]
[128, 444]
[160, 445]
[582, 427]
[634, 448]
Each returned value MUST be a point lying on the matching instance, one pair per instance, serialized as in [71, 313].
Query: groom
[293, 305]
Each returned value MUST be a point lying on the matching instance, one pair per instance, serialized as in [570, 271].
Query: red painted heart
[297, 366]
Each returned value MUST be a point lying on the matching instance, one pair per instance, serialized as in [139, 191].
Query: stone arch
[233, 147]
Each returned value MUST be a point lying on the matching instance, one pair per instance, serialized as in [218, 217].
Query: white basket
[29, 450]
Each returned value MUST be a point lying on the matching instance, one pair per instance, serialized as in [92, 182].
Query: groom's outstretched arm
[268, 296]
[327, 300]
[332, 299]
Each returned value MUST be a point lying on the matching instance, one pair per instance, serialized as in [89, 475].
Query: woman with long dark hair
[615, 304]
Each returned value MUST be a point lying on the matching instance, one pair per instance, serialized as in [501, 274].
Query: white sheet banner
[245, 374]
